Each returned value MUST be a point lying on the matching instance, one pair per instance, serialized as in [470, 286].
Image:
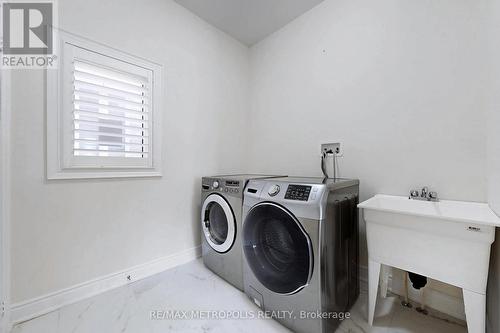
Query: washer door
[218, 223]
[277, 248]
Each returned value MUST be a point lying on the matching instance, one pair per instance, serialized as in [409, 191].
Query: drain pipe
[406, 302]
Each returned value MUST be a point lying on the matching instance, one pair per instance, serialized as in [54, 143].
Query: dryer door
[218, 223]
[277, 248]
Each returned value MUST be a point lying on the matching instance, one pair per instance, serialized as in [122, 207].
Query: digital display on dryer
[234, 183]
[298, 192]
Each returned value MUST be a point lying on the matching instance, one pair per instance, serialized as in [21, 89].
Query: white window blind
[104, 113]
[111, 112]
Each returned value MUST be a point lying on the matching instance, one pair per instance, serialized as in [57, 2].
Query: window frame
[61, 162]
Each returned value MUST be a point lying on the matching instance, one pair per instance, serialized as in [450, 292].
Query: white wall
[394, 80]
[398, 82]
[493, 105]
[68, 232]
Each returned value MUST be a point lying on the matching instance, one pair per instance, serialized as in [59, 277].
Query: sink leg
[373, 278]
[384, 277]
[475, 311]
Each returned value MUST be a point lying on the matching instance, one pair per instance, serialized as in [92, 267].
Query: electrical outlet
[335, 148]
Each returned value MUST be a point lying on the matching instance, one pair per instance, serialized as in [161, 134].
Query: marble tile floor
[193, 287]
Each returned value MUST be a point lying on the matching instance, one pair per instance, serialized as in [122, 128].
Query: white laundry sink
[449, 241]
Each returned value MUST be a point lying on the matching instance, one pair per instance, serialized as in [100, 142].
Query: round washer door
[277, 248]
[218, 223]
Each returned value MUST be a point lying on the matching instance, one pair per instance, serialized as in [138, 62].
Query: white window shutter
[110, 112]
[104, 110]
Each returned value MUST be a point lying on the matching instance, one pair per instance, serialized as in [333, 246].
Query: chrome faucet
[424, 194]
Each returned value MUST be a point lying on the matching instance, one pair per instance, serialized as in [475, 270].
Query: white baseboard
[434, 298]
[36, 307]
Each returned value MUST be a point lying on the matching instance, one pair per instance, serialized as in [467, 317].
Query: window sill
[98, 174]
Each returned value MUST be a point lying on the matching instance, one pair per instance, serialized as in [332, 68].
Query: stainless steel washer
[222, 200]
[300, 244]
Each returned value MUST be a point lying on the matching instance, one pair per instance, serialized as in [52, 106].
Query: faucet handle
[414, 194]
[433, 195]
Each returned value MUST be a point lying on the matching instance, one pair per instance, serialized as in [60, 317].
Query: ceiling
[249, 21]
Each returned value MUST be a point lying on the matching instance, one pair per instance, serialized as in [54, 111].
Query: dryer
[300, 245]
[222, 200]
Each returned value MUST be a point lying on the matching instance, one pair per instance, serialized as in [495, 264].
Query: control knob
[275, 189]
[215, 184]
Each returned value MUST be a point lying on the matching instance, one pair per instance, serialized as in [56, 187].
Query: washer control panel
[298, 192]
[222, 186]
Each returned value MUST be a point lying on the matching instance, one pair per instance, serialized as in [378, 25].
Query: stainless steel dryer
[300, 244]
[222, 200]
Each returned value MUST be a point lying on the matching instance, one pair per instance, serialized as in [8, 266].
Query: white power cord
[323, 166]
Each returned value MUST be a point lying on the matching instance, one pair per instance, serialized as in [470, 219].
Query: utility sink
[449, 241]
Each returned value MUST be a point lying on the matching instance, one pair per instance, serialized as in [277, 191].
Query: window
[103, 113]
[110, 112]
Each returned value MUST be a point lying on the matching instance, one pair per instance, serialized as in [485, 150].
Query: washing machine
[300, 245]
[222, 201]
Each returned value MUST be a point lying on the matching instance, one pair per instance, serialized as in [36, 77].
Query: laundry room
[308, 166]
